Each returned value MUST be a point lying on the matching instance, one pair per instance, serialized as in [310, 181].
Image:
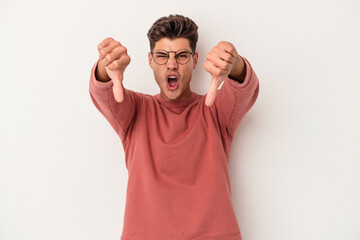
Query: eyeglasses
[182, 56]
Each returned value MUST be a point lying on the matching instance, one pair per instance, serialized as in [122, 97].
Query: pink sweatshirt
[177, 154]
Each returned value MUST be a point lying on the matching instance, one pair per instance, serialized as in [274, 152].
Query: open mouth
[172, 82]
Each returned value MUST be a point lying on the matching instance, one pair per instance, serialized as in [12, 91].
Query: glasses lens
[183, 57]
[161, 57]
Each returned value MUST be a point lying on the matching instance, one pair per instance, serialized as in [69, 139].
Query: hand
[219, 63]
[113, 60]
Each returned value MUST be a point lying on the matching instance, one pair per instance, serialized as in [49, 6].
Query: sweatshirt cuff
[97, 83]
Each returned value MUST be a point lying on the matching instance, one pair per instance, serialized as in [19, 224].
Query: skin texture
[222, 61]
[184, 71]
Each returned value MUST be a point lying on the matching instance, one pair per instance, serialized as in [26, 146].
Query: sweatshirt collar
[176, 103]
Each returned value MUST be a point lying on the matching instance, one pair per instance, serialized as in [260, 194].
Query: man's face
[181, 89]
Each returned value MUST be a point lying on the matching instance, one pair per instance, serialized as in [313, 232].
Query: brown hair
[173, 26]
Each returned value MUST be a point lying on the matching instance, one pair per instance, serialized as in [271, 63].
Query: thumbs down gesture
[222, 61]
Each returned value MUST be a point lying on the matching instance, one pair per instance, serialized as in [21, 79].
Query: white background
[294, 163]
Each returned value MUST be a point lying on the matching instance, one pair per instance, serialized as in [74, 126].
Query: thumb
[210, 96]
[117, 78]
[118, 88]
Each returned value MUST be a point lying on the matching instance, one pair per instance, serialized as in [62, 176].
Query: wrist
[100, 76]
[238, 71]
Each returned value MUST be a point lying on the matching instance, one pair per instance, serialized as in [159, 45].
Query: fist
[113, 60]
[219, 63]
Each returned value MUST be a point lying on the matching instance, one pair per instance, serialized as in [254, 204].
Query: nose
[172, 63]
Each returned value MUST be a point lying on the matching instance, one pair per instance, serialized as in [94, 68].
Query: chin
[172, 96]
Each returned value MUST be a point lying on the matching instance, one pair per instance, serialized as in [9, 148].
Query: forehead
[172, 44]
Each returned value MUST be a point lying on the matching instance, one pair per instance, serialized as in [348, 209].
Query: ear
[150, 59]
[195, 59]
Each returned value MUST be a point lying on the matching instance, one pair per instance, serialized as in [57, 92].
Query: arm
[240, 89]
[118, 104]
[120, 115]
[235, 99]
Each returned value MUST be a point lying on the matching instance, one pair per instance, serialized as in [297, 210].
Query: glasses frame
[168, 55]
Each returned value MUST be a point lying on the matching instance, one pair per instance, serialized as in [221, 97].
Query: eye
[182, 55]
[161, 56]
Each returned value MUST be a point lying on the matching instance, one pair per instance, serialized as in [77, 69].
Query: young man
[177, 143]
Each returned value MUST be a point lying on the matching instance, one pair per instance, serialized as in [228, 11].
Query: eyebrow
[160, 52]
[180, 50]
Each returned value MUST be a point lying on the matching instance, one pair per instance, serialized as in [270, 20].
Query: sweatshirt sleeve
[120, 115]
[235, 99]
